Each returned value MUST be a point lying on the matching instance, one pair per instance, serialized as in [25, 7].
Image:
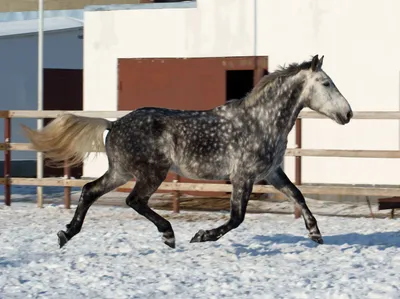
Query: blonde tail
[69, 138]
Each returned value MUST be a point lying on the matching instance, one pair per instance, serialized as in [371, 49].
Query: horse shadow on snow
[262, 244]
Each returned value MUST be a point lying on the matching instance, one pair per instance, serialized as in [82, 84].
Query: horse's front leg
[281, 182]
[240, 196]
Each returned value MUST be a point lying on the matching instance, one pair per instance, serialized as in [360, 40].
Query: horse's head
[322, 95]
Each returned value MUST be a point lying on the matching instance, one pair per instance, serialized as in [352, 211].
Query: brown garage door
[195, 83]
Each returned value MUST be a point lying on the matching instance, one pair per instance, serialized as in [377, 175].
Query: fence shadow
[386, 239]
[382, 240]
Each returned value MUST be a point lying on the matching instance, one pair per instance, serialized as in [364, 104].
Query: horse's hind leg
[138, 200]
[281, 182]
[240, 196]
[90, 193]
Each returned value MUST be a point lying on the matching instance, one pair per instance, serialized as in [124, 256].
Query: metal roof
[30, 15]
[157, 5]
[31, 26]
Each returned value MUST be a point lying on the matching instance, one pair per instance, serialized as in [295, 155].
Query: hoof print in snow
[62, 238]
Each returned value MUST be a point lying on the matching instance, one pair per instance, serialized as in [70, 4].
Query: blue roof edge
[112, 7]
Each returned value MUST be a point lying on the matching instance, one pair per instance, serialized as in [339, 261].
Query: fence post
[67, 190]
[176, 196]
[7, 161]
[297, 211]
[39, 175]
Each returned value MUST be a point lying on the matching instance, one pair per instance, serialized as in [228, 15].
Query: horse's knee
[132, 202]
[136, 203]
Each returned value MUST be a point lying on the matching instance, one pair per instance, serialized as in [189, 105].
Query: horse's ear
[319, 66]
[314, 63]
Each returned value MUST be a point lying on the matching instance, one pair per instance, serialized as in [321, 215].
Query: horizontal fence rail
[295, 152]
[207, 187]
[175, 187]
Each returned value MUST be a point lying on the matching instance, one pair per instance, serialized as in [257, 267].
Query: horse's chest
[272, 157]
[280, 150]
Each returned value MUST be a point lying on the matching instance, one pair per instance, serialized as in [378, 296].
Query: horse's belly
[198, 174]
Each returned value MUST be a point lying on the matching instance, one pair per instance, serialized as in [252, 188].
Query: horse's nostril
[349, 115]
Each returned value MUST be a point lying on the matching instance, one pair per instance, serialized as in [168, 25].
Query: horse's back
[196, 143]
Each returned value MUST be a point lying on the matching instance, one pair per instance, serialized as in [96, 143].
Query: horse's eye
[326, 83]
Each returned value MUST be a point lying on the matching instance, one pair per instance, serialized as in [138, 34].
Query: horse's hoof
[198, 237]
[62, 238]
[169, 239]
[169, 242]
[317, 238]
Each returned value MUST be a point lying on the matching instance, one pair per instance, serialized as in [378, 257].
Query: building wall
[358, 44]
[18, 74]
[362, 56]
[204, 31]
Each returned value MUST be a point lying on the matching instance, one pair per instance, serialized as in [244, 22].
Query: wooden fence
[177, 186]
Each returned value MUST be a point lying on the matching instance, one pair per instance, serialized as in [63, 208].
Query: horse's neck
[279, 108]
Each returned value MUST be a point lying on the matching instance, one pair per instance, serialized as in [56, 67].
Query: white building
[358, 38]
[63, 50]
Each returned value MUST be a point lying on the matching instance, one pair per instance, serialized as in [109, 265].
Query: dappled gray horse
[243, 141]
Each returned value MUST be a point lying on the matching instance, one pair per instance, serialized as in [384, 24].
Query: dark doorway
[238, 83]
[62, 90]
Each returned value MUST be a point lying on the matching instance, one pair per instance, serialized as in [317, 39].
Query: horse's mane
[279, 75]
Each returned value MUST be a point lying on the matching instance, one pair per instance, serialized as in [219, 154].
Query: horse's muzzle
[344, 119]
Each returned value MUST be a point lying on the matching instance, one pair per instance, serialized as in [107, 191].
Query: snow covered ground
[120, 255]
